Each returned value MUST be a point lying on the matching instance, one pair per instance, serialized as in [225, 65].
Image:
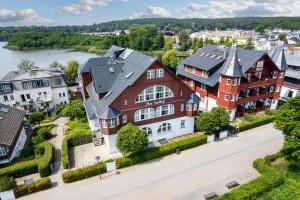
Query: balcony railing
[254, 98]
[257, 83]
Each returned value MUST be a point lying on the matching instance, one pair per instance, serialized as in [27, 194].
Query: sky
[86, 12]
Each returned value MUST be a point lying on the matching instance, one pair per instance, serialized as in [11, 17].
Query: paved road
[186, 176]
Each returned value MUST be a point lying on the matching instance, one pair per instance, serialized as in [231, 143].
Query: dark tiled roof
[110, 113]
[231, 66]
[194, 98]
[278, 57]
[131, 65]
[10, 124]
[219, 60]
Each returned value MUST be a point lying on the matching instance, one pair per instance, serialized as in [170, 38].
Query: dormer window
[260, 64]
[150, 73]
[194, 70]
[2, 151]
[104, 123]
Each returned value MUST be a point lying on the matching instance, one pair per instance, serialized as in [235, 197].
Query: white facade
[179, 126]
[287, 92]
[39, 91]
[18, 147]
[207, 103]
[94, 125]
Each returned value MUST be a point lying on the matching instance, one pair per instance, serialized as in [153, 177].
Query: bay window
[104, 123]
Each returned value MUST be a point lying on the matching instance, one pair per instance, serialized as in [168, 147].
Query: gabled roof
[231, 66]
[11, 120]
[38, 74]
[194, 98]
[110, 113]
[133, 65]
[278, 57]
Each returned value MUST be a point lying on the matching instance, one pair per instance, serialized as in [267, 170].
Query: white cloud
[26, 15]
[83, 6]
[237, 8]
[152, 12]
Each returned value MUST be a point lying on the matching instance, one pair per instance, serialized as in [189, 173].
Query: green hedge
[85, 172]
[68, 143]
[41, 165]
[163, 150]
[268, 180]
[93, 170]
[39, 185]
[44, 163]
[255, 124]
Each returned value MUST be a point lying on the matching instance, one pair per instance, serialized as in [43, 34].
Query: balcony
[256, 83]
[44, 100]
[254, 98]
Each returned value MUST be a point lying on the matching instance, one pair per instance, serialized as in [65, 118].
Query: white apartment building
[40, 90]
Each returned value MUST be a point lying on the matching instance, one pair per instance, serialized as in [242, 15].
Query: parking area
[86, 154]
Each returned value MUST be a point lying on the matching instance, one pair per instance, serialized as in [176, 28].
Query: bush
[41, 165]
[7, 183]
[254, 189]
[45, 132]
[164, 150]
[36, 118]
[48, 120]
[67, 144]
[44, 163]
[85, 172]
[249, 117]
[39, 185]
[269, 111]
[244, 127]
[37, 139]
[131, 139]
[146, 155]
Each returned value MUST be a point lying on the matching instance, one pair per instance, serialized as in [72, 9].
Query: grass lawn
[290, 190]
[77, 126]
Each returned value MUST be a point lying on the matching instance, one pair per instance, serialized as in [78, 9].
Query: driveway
[186, 176]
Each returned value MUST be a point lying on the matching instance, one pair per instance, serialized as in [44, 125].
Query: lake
[10, 59]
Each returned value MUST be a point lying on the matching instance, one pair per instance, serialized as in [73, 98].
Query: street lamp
[98, 159]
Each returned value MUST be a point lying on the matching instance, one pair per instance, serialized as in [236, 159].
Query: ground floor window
[165, 127]
[182, 123]
[148, 130]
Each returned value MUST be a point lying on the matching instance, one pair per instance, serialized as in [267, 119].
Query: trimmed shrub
[269, 180]
[68, 143]
[164, 150]
[146, 155]
[45, 132]
[39, 185]
[269, 111]
[85, 172]
[249, 117]
[7, 183]
[41, 165]
[45, 161]
[244, 127]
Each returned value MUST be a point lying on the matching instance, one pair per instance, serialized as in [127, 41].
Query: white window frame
[195, 107]
[154, 93]
[281, 75]
[189, 107]
[182, 107]
[194, 70]
[203, 87]
[150, 74]
[228, 81]
[277, 89]
[104, 123]
[226, 97]
[164, 128]
[148, 130]
[147, 113]
[124, 119]
[160, 73]
[235, 81]
[232, 97]
[5, 97]
[111, 123]
[164, 110]
[192, 83]
[2, 151]
[182, 123]
[260, 64]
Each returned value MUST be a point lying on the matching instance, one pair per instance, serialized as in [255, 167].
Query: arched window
[144, 114]
[148, 130]
[154, 92]
[164, 110]
[164, 128]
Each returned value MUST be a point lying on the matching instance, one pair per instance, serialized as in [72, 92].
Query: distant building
[36, 90]
[127, 86]
[239, 80]
[291, 84]
[12, 133]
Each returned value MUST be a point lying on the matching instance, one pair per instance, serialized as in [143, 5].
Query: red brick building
[240, 80]
[126, 86]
